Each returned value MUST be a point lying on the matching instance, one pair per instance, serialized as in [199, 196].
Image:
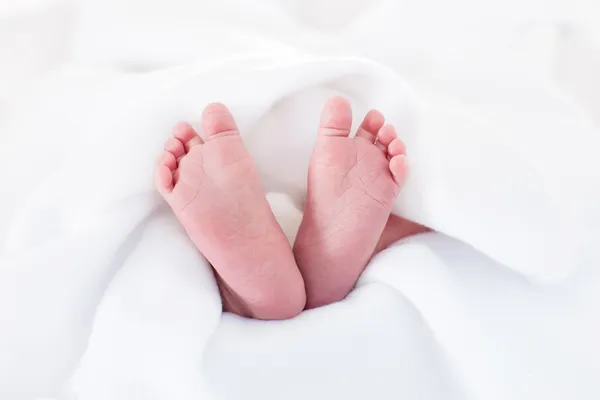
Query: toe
[217, 121]
[186, 135]
[336, 118]
[398, 168]
[168, 160]
[163, 176]
[163, 179]
[371, 125]
[396, 148]
[175, 147]
[385, 136]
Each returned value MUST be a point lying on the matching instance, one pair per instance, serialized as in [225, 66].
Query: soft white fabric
[102, 296]
[507, 164]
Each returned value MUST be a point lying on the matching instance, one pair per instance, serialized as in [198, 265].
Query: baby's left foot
[352, 185]
[213, 188]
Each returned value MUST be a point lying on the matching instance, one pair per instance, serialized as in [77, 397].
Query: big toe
[336, 118]
[217, 121]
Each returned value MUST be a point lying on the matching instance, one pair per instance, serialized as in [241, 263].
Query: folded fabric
[83, 224]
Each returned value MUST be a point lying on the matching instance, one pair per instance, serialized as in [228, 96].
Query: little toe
[185, 133]
[396, 147]
[163, 176]
[217, 121]
[371, 125]
[336, 118]
[163, 179]
[398, 168]
[385, 136]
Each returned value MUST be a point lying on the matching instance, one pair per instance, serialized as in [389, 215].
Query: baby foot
[352, 184]
[213, 188]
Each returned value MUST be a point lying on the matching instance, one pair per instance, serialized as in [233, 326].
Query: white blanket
[103, 297]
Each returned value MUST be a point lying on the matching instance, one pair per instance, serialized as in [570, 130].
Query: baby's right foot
[352, 184]
[214, 190]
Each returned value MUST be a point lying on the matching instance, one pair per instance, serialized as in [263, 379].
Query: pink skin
[352, 184]
[213, 188]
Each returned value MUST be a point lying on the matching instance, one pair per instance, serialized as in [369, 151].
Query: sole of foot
[212, 185]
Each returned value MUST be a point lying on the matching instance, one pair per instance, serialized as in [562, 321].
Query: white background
[35, 34]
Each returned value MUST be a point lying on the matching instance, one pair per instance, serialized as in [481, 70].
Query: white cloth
[102, 296]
